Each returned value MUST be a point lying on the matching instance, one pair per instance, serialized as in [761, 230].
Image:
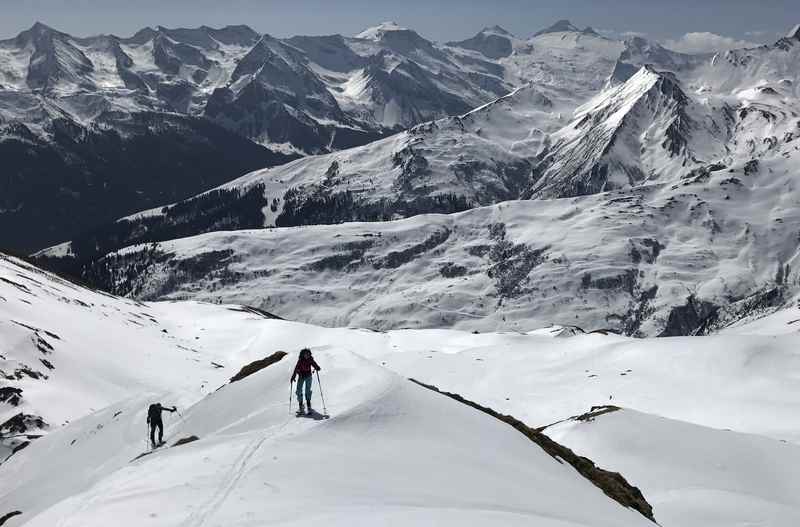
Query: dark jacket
[154, 412]
[304, 365]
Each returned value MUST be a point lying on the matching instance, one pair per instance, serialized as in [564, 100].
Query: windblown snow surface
[709, 430]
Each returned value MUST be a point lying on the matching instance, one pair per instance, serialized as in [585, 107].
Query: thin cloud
[704, 42]
[631, 34]
[764, 35]
[620, 35]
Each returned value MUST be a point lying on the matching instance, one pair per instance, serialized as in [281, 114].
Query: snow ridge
[601, 150]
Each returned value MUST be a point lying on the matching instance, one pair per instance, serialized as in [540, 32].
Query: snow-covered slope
[669, 259]
[393, 452]
[741, 383]
[389, 450]
[730, 72]
[482, 157]
[66, 351]
[694, 476]
[565, 65]
[643, 130]
[768, 321]
[724, 455]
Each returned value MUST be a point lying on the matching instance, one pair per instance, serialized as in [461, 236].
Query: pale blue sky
[440, 20]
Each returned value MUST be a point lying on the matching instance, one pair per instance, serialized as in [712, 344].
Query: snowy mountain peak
[38, 32]
[497, 30]
[399, 40]
[562, 26]
[240, 34]
[602, 149]
[645, 83]
[492, 42]
[377, 32]
[143, 35]
[39, 28]
[794, 33]
[638, 85]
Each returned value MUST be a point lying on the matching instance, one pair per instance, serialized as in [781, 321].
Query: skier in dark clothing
[154, 420]
[303, 372]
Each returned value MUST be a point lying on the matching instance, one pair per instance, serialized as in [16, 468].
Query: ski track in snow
[239, 468]
[198, 519]
[232, 477]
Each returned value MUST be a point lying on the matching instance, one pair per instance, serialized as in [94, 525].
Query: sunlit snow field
[707, 431]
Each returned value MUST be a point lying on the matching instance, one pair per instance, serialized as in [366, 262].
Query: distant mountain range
[621, 185]
[681, 164]
[78, 114]
[106, 126]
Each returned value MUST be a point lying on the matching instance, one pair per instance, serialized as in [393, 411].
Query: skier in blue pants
[304, 375]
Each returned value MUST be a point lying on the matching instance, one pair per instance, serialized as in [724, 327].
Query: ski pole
[291, 385]
[322, 395]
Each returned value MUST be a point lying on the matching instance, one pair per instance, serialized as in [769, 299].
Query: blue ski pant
[307, 381]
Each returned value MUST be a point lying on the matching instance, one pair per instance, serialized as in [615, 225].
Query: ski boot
[302, 409]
